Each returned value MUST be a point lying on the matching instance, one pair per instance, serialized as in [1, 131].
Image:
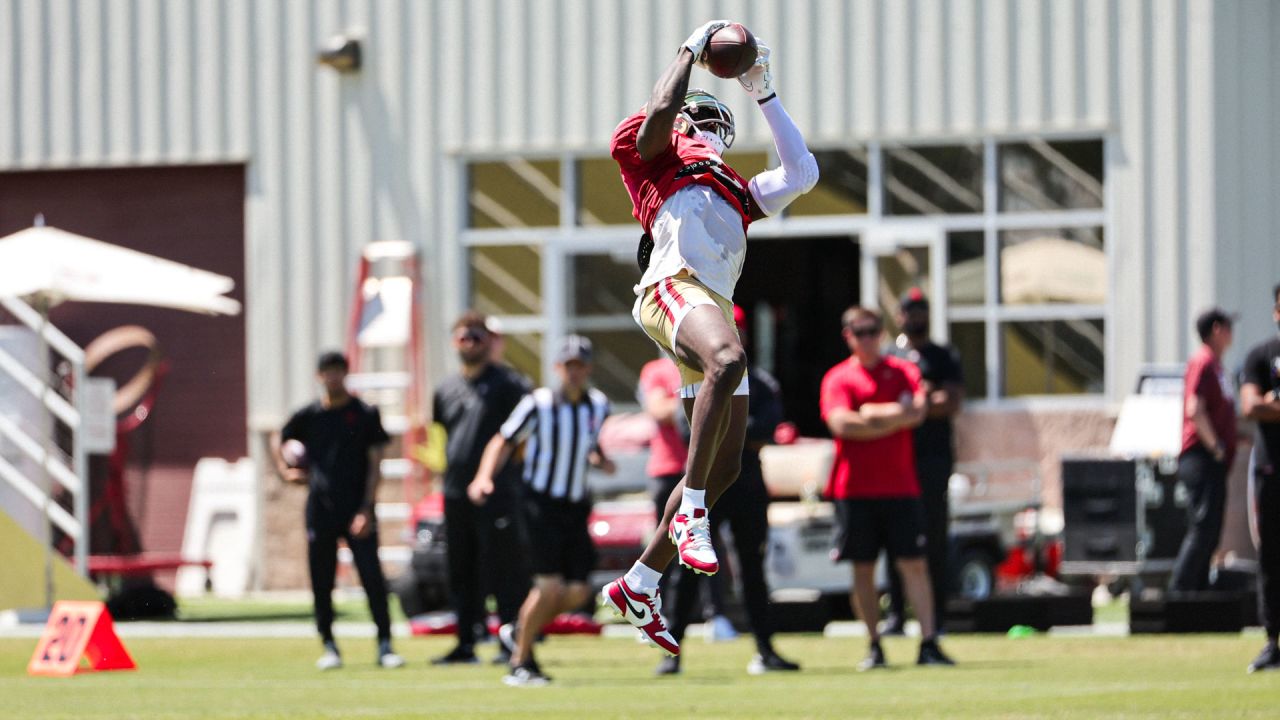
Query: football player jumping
[695, 210]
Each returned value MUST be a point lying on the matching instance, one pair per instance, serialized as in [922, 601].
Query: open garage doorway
[794, 290]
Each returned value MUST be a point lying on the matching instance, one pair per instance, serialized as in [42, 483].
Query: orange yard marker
[79, 630]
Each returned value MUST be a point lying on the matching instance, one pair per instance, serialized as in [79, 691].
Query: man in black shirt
[1260, 401]
[334, 445]
[483, 541]
[943, 381]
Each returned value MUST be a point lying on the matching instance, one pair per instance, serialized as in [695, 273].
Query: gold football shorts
[661, 309]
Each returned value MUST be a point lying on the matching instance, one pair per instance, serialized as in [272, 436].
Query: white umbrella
[47, 266]
[57, 265]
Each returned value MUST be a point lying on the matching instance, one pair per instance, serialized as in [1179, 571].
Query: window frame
[559, 243]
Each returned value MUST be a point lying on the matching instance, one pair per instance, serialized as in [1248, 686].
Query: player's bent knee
[727, 367]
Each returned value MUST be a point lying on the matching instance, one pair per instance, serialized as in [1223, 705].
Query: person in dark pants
[334, 445]
[1260, 401]
[943, 381]
[483, 541]
[745, 507]
[1208, 447]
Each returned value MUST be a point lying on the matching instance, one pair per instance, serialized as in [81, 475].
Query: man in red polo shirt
[871, 402]
[1208, 446]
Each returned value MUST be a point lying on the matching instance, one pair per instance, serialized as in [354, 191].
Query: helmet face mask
[703, 112]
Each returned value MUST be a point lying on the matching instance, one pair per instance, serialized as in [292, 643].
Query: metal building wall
[337, 161]
[1247, 166]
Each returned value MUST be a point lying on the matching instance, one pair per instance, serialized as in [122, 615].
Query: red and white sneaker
[692, 537]
[642, 610]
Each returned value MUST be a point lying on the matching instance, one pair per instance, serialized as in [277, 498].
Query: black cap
[574, 347]
[1207, 319]
[914, 299]
[332, 358]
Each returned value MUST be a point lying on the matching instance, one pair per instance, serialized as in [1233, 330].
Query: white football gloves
[697, 42]
[758, 81]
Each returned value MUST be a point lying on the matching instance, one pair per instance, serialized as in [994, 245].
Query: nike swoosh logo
[638, 612]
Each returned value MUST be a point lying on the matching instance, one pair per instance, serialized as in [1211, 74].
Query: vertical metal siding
[1245, 262]
[1184, 89]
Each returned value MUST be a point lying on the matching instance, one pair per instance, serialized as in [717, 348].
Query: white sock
[693, 500]
[643, 578]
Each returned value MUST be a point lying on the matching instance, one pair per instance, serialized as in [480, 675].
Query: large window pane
[513, 193]
[602, 284]
[841, 188]
[1061, 357]
[506, 279]
[618, 357]
[1050, 265]
[747, 164]
[603, 200]
[966, 268]
[906, 268]
[523, 351]
[1039, 175]
[933, 180]
[970, 342]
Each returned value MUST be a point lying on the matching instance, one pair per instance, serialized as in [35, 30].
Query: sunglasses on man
[473, 336]
[865, 331]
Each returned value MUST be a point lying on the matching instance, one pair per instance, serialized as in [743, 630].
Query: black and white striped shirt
[559, 435]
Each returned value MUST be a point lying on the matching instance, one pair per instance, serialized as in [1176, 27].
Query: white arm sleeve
[777, 188]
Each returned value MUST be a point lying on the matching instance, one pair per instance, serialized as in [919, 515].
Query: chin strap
[712, 139]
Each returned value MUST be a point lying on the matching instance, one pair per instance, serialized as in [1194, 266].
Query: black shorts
[865, 526]
[558, 541]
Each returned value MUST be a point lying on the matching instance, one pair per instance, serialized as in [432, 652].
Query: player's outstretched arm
[668, 94]
[777, 188]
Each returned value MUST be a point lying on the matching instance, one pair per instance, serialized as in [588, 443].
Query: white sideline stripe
[393, 511]
[245, 630]
[390, 554]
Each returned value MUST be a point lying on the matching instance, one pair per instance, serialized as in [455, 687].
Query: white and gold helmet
[703, 116]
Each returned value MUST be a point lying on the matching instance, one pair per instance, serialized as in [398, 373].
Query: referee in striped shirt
[560, 429]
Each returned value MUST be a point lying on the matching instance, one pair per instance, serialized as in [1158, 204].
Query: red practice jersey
[667, 450]
[685, 161]
[1205, 377]
[880, 468]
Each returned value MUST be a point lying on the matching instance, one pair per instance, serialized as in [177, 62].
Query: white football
[294, 452]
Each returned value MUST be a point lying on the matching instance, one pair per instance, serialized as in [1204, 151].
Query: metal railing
[56, 470]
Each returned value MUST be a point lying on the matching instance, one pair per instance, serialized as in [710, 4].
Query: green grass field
[1156, 677]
